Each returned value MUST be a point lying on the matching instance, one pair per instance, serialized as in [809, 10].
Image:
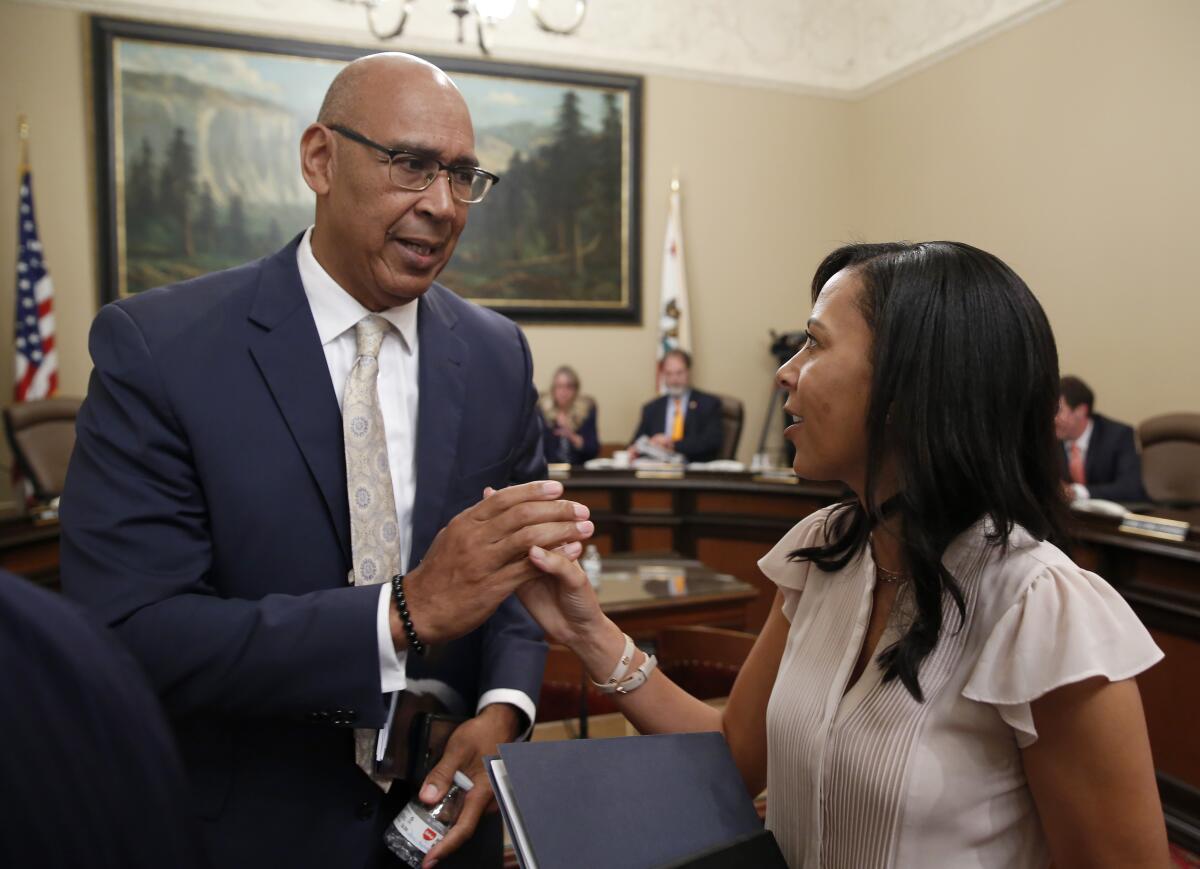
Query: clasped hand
[481, 557]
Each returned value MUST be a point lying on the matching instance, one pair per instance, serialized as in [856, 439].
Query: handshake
[486, 553]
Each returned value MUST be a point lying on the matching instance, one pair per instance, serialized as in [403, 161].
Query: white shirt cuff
[391, 662]
[512, 697]
[1080, 490]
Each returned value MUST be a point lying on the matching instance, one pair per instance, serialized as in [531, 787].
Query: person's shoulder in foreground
[89, 770]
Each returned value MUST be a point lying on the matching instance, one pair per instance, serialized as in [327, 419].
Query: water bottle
[418, 827]
[591, 564]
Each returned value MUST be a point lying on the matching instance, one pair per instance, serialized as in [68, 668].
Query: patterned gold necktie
[374, 535]
[677, 425]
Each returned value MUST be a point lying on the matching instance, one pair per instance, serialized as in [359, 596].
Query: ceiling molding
[834, 48]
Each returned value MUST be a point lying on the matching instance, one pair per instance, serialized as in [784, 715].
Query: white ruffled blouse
[874, 778]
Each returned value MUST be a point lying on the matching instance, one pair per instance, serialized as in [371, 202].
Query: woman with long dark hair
[937, 684]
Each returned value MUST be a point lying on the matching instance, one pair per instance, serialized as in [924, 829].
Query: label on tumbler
[417, 830]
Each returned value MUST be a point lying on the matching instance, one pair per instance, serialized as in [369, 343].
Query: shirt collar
[335, 310]
[1084, 439]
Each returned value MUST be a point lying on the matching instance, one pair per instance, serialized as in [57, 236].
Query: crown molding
[841, 49]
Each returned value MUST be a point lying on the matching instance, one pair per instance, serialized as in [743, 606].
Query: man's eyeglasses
[468, 184]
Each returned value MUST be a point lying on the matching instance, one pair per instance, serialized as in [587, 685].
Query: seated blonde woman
[937, 684]
[569, 433]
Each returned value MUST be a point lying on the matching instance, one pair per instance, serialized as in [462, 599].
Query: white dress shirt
[336, 313]
[1081, 491]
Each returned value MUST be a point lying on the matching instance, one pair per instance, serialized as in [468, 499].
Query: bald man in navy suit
[206, 515]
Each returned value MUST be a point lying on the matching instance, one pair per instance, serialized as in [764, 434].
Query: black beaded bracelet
[414, 643]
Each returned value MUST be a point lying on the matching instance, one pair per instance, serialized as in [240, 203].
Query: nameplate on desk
[558, 470]
[659, 474]
[1155, 526]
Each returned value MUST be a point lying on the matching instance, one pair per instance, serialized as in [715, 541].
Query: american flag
[37, 362]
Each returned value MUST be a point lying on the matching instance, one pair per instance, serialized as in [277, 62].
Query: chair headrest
[26, 413]
[1170, 427]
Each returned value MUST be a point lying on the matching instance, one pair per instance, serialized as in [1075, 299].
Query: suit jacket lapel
[442, 384]
[1095, 446]
[288, 353]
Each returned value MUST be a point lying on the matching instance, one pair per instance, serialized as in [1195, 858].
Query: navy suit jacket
[1112, 466]
[702, 433]
[205, 518]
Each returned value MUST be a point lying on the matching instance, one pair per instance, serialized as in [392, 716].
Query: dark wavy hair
[964, 389]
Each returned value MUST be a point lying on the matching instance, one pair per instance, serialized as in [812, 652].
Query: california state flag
[674, 320]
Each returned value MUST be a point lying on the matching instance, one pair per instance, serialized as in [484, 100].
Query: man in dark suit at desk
[267, 474]
[685, 420]
[1099, 455]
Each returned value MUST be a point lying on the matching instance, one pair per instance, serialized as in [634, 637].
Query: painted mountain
[208, 143]
[212, 177]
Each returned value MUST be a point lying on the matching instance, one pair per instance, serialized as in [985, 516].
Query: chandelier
[482, 14]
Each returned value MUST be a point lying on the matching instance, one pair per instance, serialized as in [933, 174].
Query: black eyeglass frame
[393, 153]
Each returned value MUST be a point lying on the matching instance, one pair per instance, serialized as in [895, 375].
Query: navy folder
[635, 802]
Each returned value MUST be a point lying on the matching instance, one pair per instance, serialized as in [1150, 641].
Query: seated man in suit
[1099, 455]
[276, 496]
[685, 420]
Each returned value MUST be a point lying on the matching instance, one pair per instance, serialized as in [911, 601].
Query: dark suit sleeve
[514, 652]
[591, 441]
[136, 549]
[89, 766]
[702, 431]
[645, 424]
[1125, 479]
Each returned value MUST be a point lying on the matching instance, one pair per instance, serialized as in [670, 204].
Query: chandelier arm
[580, 13]
[483, 46]
[405, 9]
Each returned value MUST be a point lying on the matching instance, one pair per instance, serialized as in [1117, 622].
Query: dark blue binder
[635, 802]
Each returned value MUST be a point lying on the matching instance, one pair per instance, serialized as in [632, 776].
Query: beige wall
[1069, 147]
[1066, 145]
[46, 77]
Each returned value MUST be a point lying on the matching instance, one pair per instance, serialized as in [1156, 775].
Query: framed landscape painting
[198, 143]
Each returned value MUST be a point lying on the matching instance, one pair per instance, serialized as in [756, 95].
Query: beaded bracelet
[410, 633]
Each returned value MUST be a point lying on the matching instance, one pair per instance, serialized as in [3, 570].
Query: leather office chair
[1171, 457]
[703, 661]
[732, 412]
[41, 435]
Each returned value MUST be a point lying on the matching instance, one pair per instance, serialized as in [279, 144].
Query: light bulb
[494, 10]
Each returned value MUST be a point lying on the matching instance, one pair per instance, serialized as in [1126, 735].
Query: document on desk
[638, 802]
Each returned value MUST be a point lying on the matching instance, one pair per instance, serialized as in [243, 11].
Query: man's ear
[316, 158]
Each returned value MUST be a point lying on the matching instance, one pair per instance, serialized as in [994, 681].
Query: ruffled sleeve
[1068, 625]
[791, 576]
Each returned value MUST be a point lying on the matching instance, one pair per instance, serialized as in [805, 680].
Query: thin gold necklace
[884, 574]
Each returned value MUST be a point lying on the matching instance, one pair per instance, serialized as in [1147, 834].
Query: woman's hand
[562, 600]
